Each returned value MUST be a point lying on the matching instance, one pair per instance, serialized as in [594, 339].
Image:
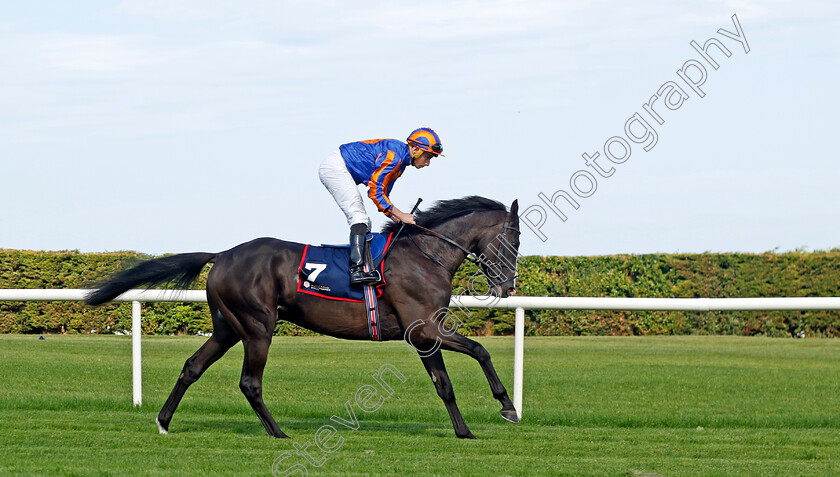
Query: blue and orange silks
[377, 163]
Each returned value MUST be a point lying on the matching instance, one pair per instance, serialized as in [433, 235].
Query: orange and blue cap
[427, 140]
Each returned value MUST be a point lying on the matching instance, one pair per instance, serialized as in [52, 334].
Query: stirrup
[361, 277]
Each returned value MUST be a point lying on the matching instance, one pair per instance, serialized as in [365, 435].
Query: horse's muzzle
[504, 292]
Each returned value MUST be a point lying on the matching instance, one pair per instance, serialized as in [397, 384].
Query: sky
[175, 126]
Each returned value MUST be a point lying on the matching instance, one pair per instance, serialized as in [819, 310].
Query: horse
[253, 285]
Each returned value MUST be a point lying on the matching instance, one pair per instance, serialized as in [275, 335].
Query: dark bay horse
[253, 285]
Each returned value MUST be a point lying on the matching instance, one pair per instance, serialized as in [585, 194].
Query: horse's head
[498, 258]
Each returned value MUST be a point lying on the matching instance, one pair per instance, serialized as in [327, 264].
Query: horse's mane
[445, 210]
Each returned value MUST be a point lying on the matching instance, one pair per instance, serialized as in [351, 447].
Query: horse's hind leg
[194, 367]
[214, 348]
[462, 344]
[437, 371]
[256, 355]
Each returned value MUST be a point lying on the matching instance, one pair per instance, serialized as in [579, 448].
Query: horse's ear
[514, 208]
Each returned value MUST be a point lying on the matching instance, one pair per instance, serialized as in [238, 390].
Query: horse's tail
[179, 271]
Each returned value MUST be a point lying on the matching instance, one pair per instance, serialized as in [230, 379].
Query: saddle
[324, 271]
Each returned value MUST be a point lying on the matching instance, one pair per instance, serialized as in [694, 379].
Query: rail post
[136, 354]
[518, 356]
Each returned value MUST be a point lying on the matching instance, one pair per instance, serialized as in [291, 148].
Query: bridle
[480, 260]
[470, 256]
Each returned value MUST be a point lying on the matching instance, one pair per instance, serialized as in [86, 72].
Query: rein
[478, 260]
[470, 256]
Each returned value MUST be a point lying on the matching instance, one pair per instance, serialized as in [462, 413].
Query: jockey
[376, 163]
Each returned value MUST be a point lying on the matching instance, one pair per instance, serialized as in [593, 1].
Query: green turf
[627, 406]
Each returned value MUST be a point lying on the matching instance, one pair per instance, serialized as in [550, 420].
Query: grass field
[627, 406]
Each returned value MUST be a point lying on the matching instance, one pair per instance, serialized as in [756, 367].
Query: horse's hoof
[510, 415]
[468, 435]
[161, 429]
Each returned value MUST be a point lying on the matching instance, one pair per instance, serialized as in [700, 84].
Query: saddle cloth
[325, 271]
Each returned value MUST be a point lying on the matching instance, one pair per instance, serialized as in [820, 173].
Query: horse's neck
[462, 232]
[468, 232]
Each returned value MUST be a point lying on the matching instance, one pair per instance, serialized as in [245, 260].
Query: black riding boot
[358, 275]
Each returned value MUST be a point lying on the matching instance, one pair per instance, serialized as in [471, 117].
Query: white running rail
[519, 303]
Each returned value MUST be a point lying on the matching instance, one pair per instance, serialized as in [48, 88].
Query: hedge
[796, 274]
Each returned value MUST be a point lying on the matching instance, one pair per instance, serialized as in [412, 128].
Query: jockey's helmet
[427, 140]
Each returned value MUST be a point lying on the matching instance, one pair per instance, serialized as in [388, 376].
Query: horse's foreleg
[461, 344]
[256, 355]
[437, 371]
[213, 349]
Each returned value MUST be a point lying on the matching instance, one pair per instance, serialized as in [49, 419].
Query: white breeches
[337, 179]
